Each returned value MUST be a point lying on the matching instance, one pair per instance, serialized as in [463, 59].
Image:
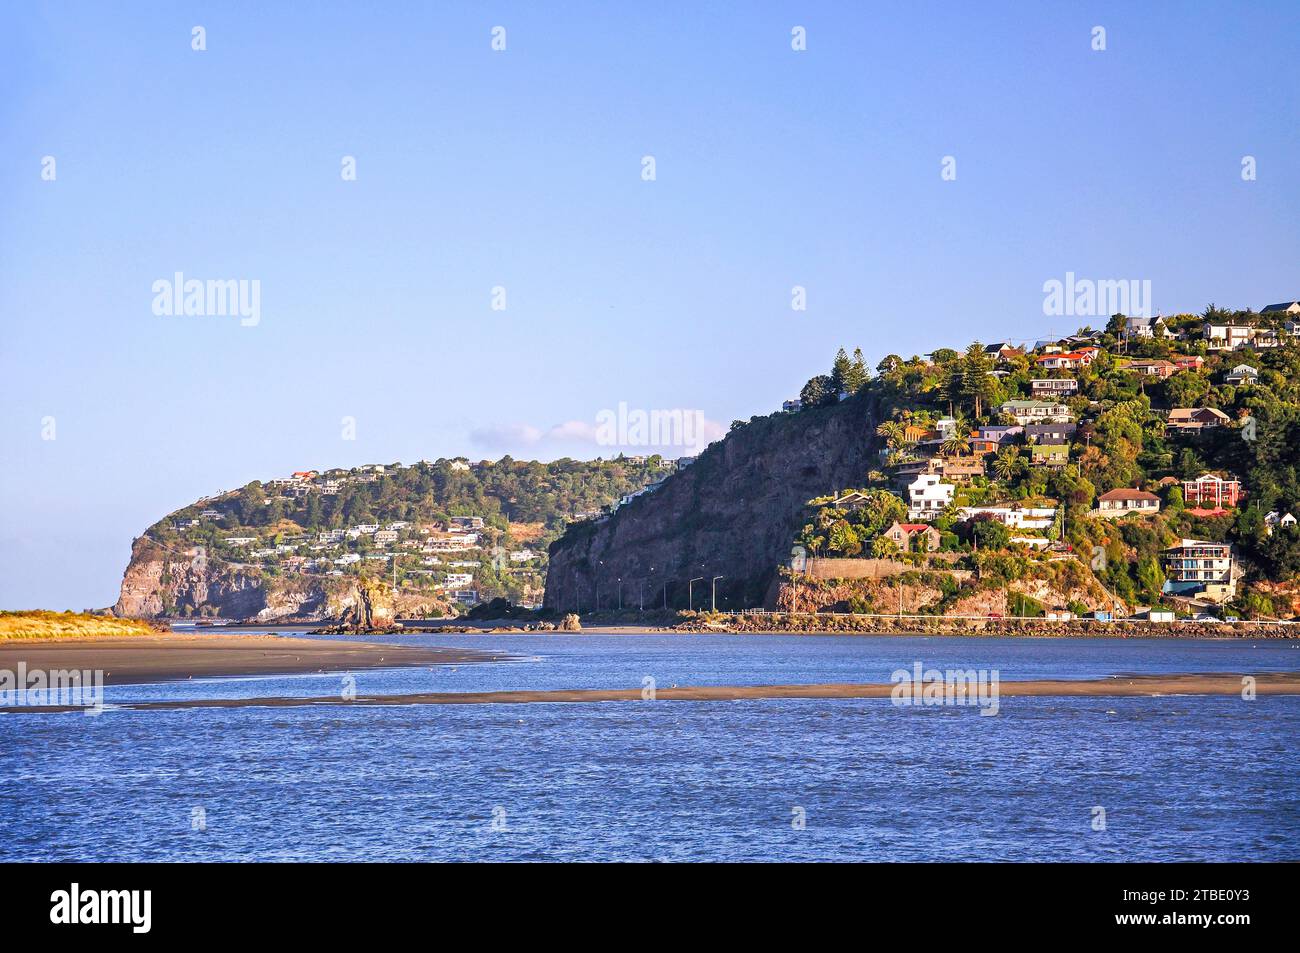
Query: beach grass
[44, 624]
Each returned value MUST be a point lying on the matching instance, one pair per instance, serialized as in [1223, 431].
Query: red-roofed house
[1066, 362]
[904, 533]
[1212, 492]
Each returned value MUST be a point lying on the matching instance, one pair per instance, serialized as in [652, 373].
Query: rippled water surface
[1178, 777]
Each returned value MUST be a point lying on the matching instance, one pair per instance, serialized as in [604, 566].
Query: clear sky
[523, 169]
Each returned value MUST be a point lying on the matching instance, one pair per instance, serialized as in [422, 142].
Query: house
[239, 540]
[1212, 491]
[944, 427]
[399, 525]
[1144, 327]
[367, 528]
[1275, 518]
[988, 440]
[1049, 454]
[683, 462]
[466, 522]
[1241, 374]
[1158, 368]
[960, 469]
[1001, 351]
[459, 465]
[1013, 515]
[466, 597]
[303, 475]
[903, 534]
[331, 487]
[1123, 502]
[386, 536]
[1049, 433]
[1221, 336]
[1067, 360]
[1285, 307]
[523, 555]
[791, 406]
[1188, 362]
[1198, 567]
[914, 433]
[456, 580]
[347, 559]
[1036, 411]
[1192, 419]
[928, 497]
[1054, 386]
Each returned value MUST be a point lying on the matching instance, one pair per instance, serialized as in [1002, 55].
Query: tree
[819, 392]
[892, 432]
[1007, 463]
[844, 540]
[989, 533]
[957, 442]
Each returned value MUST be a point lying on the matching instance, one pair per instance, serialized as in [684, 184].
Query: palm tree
[892, 431]
[958, 442]
[1007, 463]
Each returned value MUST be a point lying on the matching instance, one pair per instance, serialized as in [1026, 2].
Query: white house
[1036, 411]
[1014, 515]
[1241, 374]
[928, 497]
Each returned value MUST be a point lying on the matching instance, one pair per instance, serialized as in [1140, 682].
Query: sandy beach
[1115, 687]
[175, 657]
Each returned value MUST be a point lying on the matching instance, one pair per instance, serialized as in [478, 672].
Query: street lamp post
[690, 593]
[620, 593]
[715, 592]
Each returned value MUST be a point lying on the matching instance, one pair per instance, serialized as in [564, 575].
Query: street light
[620, 593]
[715, 592]
[690, 593]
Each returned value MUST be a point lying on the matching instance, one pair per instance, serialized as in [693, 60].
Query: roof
[1281, 306]
[1128, 495]
[1186, 413]
[915, 527]
[1212, 478]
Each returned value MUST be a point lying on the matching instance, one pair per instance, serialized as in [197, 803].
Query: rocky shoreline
[826, 624]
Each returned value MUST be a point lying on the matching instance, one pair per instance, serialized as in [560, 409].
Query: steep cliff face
[184, 583]
[733, 513]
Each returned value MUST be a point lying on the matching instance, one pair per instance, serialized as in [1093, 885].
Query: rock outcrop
[160, 583]
[733, 513]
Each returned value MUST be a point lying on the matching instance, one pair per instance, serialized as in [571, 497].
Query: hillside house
[791, 406]
[1049, 433]
[1054, 386]
[1198, 567]
[1139, 327]
[1124, 502]
[1211, 491]
[1027, 412]
[1049, 453]
[910, 536]
[1188, 362]
[1284, 307]
[1154, 368]
[1014, 515]
[1066, 360]
[1241, 374]
[1193, 419]
[928, 497]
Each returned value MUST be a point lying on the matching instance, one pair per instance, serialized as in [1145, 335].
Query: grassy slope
[42, 624]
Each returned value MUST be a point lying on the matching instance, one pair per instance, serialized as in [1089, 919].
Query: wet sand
[1114, 687]
[158, 658]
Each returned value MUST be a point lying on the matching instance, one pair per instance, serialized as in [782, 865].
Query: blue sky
[523, 169]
